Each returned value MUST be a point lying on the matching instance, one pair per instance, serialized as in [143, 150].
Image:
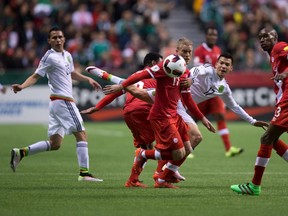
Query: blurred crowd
[238, 23]
[116, 34]
[108, 33]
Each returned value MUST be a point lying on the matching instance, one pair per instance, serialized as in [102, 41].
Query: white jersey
[207, 84]
[57, 66]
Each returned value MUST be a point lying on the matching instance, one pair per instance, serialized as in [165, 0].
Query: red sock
[263, 153]
[280, 147]
[160, 165]
[165, 155]
[225, 134]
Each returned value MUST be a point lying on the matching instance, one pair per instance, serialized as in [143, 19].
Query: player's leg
[104, 75]
[281, 149]
[268, 138]
[217, 109]
[143, 138]
[56, 134]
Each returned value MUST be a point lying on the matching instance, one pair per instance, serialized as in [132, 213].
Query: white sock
[115, 79]
[82, 154]
[39, 147]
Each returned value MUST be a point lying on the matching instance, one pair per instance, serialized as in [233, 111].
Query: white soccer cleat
[95, 71]
[89, 177]
[178, 176]
[15, 158]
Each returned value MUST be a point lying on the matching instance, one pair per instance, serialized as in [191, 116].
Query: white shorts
[181, 110]
[64, 118]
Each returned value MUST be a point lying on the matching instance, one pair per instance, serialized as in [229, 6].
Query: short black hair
[151, 56]
[55, 28]
[226, 55]
[209, 26]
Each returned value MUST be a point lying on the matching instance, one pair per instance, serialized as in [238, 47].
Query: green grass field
[46, 184]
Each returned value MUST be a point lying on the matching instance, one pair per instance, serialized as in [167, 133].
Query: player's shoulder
[47, 56]
[280, 47]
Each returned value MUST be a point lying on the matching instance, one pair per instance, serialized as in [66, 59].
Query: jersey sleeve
[191, 105]
[136, 77]
[236, 108]
[107, 100]
[43, 67]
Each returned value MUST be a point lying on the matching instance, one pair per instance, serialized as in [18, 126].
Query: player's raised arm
[31, 80]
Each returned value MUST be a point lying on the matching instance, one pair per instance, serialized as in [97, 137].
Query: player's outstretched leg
[248, 188]
[15, 158]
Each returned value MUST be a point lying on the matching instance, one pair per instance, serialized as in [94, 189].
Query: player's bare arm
[89, 110]
[186, 83]
[141, 94]
[208, 124]
[31, 80]
[109, 89]
[280, 76]
[81, 77]
[261, 124]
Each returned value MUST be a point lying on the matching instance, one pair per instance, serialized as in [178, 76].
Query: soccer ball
[174, 65]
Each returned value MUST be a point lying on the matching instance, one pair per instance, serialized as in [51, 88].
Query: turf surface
[46, 183]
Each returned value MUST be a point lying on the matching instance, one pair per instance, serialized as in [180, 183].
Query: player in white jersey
[64, 116]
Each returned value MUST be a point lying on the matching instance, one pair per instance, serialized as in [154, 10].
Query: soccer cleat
[139, 161]
[248, 188]
[233, 151]
[173, 179]
[164, 184]
[88, 177]
[15, 158]
[97, 72]
[178, 176]
[191, 156]
[130, 183]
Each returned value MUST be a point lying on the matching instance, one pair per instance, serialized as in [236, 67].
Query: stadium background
[115, 35]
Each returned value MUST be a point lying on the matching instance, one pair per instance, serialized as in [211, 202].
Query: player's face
[186, 52]
[267, 39]
[223, 66]
[57, 40]
[211, 37]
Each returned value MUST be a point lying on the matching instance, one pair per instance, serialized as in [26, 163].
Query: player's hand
[95, 84]
[208, 124]
[16, 88]
[186, 83]
[262, 124]
[3, 90]
[280, 76]
[89, 110]
[110, 89]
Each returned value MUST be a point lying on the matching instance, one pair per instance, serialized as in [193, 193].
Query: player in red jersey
[135, 110]
[171, 132]
[208, 52]
[278, 52]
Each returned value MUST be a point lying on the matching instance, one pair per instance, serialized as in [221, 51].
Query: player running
[278, 52]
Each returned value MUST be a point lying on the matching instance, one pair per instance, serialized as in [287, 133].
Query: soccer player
[136, 111]
[64, 116]
[208, 52]
[278, 52]
[171, 132]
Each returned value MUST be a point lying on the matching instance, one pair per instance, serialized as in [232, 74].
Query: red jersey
[204, 54]
[279, 63]
[167, 93]
[132, 103]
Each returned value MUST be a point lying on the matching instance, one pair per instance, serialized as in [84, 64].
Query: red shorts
[212, 106]
[140, 127]
[280, 117]
[170, 133]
